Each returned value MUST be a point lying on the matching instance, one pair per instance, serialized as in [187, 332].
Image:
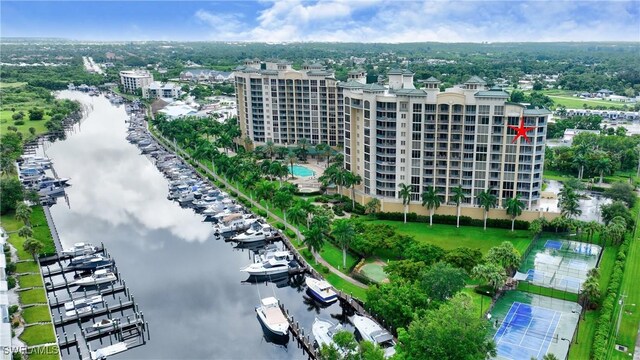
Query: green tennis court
[374, 271]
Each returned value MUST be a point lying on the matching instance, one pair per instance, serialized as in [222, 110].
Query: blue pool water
[298, 170]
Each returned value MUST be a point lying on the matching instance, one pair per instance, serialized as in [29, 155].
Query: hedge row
[451, 220]
[607, 316]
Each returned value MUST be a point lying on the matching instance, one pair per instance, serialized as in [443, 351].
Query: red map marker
[521, 130]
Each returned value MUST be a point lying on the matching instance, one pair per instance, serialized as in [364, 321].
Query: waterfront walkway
[183, 154]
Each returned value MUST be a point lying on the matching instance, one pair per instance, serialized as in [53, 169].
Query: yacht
[257, 232]
[321, 290]
[99, 277]
[84, 258]
[81, 306]
[278, 263]
[272, 316]
[323, 331]
[105, 324]
[99, 262]
[51, 191]
[234, 222]
[79, 249]
[370, 330]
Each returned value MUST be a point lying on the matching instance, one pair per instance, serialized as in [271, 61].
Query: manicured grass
[581, 349]
[607, 261]
[36, 314]
[571, 102]
[554, 175]
[33, 296]
[333, 255]
[41, 230]
[10, 223]
[347, 287]
[545, 291]
[27, 266]
[30, 280]
[449, 237]
[478, 300]
[18, 243]
[38, 334]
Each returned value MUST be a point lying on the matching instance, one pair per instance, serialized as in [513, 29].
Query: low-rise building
[132, 80]
[5, 325]
[157, 90]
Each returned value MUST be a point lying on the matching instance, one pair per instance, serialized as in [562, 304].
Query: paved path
[52, 228]
[317, 256]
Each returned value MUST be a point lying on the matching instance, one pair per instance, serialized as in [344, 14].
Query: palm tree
[291, 159]
[343, 231]
[23, 212]
[269, 149]
[591, 228]
[458, 196]
[339, 178]
[590, 291]
[487, 201]
[248, 143]
[298, 215]
[278, 170]
[351, 180]
[372, 206]
[491, 273]
[314, 238]
[405, 194]
[264, 190]
[324, 148]
[303, 149]
[431, 200]
[25, 232]
[603, 166]
[33, 247]
[282, 200]
[322, 223]
[514, 208]
[265, 167]
[281, 152]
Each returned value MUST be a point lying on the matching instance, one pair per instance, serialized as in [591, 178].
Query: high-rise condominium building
[277, 103]
[467, 136]
[132, 80]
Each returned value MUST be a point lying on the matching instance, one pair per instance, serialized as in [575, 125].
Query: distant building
[606, 114]
[132, 80]
[205, 75]
[604, 93]
[156, 90]
[569, 134]
[179, 109]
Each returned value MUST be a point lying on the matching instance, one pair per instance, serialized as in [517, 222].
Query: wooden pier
[303, 340]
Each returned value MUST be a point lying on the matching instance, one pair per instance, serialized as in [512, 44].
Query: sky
[325, 20]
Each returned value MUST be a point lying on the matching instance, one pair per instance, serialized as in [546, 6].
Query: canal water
[187, 283]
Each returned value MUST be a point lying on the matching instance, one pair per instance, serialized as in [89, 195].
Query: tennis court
[560, 264]
[530, 326]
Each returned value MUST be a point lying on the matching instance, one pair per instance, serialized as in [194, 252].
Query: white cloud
[416, 21]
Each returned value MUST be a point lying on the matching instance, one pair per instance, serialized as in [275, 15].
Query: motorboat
[99, 277]
[96, 263]
[323, 331]
[369, 330]
[81, 306]
[105, 324]
[84, 258]
[234, 222]
[272, 316]
[51, 191]
[79, 249]
[321, 290]
[257, 232]
[279, 263]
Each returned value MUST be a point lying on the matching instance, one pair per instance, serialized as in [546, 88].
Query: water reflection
[187, 283]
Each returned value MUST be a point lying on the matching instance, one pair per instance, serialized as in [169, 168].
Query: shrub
[324, 269]
[322, 199]
[18, 122]
[280, 226]
[13, 309]
[262, 213]
[11, 282]
[290, 233]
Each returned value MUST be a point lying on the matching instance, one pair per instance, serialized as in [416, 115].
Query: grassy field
[27, 266]
[333, 255]
[581, 348]
[38, 334]
[45, 353]
[478, 300]
[36, 314]
[20, 99]
[33, 296]
[30, 280]
[449, 237]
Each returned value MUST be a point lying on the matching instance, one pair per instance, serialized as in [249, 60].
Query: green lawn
[10, 223]
[478, 300]
[581, 349]
[554, 175]
[41, 230]
[31, 280]
[33, 296]
[347, 287]
[607, 261]
[38, 334]
[449, 237]
[27, 266]
[47, 353]
[18, 243]
[36, 314]
[333, 255]
[572, 102]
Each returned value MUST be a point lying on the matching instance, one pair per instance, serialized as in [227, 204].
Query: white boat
[272, 316]
[105, 324]
[81, 306]
[234, 222]
[279, 263]
[79, 249]
[255, 233]
[51, 191]
[323, 331]
[370, 330]
[99, 277]
[321, 290]
[106, 351]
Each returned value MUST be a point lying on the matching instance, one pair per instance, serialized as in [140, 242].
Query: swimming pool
[298, 170]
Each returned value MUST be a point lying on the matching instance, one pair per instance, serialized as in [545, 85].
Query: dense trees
[10, 194]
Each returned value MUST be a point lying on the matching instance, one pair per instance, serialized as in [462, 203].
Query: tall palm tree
[603, 166]
[281, 152]
[291, 159]
[265, 167]
[339, 178]
[351, 180]
[282, 200]
[514, 208]
[487, 201]
[23, 212]
[264, 190]
[431, 200]
[303, 149]
[269, 149]
[25, 232]
[325, 149]
[298, 215]
[458, 196]
[343, 231]
[372, 206]
[314, 238]
[405, 195]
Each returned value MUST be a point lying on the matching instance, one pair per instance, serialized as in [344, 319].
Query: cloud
[415, 21]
